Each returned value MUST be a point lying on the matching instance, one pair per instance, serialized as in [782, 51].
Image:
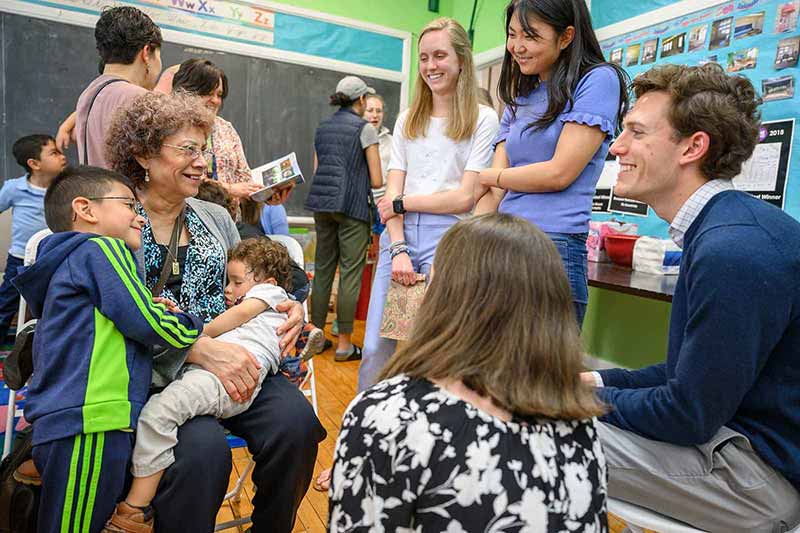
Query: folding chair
[308, 386]
[30, 257]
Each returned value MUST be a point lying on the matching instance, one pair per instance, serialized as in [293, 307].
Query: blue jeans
[422, 232]
[9, 297]
[572, 247]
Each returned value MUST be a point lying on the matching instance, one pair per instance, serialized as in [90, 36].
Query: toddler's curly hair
[266, 258]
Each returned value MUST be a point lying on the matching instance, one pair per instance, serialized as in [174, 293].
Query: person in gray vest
[346, 165]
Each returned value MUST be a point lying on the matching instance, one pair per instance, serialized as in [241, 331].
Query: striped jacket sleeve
[120, 295]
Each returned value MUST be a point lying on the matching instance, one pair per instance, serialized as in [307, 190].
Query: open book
[276, 175]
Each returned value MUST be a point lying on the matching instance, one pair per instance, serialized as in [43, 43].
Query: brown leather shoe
[27, 474]
[130, 519]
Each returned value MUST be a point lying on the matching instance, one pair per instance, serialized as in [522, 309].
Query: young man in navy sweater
[712, 436]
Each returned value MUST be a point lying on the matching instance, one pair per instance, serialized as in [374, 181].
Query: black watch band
[397, 205]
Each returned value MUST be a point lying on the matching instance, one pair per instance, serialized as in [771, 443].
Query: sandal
[323, 481]
[353, 355]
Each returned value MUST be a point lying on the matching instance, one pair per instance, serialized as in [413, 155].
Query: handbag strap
[103, 85]
[172, 250]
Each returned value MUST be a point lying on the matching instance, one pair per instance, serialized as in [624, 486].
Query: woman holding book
[346, 164]
[226, 161]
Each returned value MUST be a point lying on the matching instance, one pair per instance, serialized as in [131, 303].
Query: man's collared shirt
[692, 207]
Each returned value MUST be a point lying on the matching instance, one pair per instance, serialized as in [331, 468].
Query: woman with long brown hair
[481, 421]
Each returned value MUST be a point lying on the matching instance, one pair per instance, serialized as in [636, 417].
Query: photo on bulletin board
[764, 174]
[649, 50]
[786, 16]
[632, 55]
[742, 60]
[616, 56]
[721, 33]
[602, 193]
[697, 37]
[779, 88]
[749, 25]
[787, 53]
[710, 59]
[674, 45]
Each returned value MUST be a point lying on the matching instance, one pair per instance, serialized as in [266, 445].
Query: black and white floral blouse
[413, 458]
[202, 268]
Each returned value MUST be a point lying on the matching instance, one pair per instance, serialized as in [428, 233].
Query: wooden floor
[336, 387]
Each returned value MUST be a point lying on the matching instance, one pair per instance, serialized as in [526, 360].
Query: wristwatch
[397, 205]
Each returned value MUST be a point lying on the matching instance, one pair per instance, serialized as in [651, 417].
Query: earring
[147, 68]
[146, 175]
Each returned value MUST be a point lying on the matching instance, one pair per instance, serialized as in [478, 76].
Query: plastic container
[620, 248]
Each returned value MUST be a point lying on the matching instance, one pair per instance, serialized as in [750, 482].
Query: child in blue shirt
[92, 352]
[42, 162]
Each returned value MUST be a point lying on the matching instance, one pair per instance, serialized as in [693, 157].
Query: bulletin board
[758, 39]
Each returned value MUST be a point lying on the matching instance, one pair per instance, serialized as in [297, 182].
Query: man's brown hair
[266, 259]
[498, 316]
[706, 99]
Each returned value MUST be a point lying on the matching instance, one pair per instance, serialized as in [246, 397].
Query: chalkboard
[274, 106]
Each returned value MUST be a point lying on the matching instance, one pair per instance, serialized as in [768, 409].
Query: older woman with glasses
[159, 142]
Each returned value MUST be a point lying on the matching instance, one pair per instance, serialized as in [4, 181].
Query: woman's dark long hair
[582, 55]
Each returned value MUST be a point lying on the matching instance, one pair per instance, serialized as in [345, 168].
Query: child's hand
[171, 306]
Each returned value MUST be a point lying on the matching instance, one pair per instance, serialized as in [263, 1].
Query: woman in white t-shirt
[439, 147]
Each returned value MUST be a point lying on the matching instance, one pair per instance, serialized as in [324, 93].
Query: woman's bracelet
[498, 178]
[397, 244]
[394, 252]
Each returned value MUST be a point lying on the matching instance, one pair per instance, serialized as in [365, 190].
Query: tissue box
[595, 241]
[656, 256]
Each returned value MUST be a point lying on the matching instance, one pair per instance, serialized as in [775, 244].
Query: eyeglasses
[191, 151]
[127, 200]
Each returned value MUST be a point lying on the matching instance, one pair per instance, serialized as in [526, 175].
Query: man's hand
[588, 378]
[293, 325]
[235, 367]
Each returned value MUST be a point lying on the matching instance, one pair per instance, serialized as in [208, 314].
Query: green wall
[413, 15]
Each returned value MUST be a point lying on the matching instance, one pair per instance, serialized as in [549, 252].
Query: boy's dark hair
[214, 192]
[200, 77]
[83, 180]
[121, 32]
[30, 147]
[266, 258]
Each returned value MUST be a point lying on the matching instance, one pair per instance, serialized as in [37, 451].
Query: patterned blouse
[202, 273]
[231, 163]
[411, 457]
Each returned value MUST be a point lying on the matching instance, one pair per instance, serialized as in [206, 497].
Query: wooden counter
[616, 278]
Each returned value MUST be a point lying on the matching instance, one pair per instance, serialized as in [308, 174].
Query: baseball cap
[353, 87]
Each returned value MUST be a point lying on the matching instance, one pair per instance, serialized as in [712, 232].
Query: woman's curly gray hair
[139, 129]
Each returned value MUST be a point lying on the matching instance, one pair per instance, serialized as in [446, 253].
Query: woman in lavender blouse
[564, 104]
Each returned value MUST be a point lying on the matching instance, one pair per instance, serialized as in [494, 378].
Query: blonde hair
[498, 316]
[463, 115]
